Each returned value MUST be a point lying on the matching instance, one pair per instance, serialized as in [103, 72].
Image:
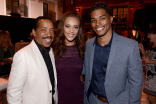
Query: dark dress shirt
[101, 55]
[45, 53]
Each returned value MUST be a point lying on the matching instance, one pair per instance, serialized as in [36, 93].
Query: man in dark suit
[112, 64]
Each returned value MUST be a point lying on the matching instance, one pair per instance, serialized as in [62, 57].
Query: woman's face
[152, 37]
[6, 39]
[71, 29]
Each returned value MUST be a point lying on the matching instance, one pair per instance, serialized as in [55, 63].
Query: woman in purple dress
[69, 50]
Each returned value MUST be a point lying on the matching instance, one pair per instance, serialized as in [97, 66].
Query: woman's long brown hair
[59, 41]
[2, 40]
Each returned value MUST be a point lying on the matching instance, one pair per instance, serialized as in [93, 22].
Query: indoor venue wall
[19, 28]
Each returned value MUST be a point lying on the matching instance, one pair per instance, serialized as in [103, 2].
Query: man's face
[125, 33]
[101, 22]
[44, 33]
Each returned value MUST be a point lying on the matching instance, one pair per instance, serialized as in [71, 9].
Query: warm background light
[134, 33]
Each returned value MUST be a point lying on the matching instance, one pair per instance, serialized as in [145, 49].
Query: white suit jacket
[29, 81]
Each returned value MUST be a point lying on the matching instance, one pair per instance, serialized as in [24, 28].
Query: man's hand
[8, 61]
[82, 77]
[141, 47]
[148, 60]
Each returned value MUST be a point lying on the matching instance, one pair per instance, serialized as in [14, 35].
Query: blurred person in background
[31, 36]
[8, 34]
[125, 33]
[141, 40]
[118, 31]
[130, 33]
[149, 57]
[69, 47]
[1, 31]
[6, 51]
[88, 35]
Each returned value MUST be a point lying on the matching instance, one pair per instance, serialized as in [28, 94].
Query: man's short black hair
[35, 24]
[101, 5]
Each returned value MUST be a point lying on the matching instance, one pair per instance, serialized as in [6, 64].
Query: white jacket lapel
[42, 63]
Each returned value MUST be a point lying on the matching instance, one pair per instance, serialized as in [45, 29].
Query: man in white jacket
[33, 74]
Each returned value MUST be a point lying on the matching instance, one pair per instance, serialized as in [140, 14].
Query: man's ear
[33, 31]
[111, 18]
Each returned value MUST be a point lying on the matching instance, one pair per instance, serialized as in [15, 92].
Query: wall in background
[19, 28]
[2, 7]
[35, 8]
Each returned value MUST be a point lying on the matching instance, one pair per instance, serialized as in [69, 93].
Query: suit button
[50, 91]
[85, 92]
[89, 80]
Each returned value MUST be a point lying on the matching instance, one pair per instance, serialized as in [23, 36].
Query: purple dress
[69, 68]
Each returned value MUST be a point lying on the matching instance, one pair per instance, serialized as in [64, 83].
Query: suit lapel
[112, 52]
[92, 48]
[41, 60]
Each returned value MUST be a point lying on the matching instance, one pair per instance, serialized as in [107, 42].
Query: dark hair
[101, 5]
[1, 31]
[152, 30]
[35, 24]
[59, 43]
[88, 35]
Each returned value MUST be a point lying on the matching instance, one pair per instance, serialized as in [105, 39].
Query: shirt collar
[41, 48]
[109, 44]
